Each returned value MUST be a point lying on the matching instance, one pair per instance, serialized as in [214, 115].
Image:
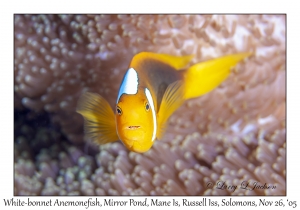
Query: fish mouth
[133, 127]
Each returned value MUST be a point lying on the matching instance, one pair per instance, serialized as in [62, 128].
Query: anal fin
[99, 119]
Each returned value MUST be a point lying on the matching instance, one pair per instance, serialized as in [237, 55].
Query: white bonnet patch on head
[129, 84]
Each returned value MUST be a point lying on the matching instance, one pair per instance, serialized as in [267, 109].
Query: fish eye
[119, 110]
[147, 106]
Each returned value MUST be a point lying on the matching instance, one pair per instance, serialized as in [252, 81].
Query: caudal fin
[204, 77]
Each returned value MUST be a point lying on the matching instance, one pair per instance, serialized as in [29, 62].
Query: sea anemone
[233, 135]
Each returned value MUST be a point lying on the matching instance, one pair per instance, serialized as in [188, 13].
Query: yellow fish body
[154, 86]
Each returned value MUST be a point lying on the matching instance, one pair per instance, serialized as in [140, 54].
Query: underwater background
[234, 135]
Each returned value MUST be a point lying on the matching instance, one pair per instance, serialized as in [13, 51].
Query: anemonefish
[153, 87]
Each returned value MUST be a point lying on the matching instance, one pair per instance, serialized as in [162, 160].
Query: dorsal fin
[172, 100]
[205, 76]
[177, 62]
[99, 119]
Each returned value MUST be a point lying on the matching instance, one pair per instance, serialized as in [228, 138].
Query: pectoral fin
[172, 100]
[99, 119]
